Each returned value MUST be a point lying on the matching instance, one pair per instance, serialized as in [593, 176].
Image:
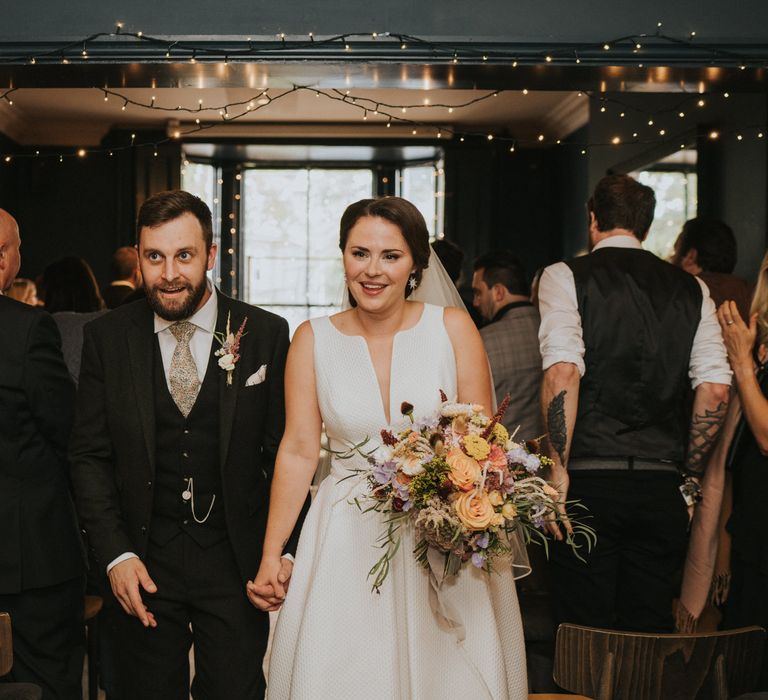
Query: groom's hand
[267, 590]
[126, 578]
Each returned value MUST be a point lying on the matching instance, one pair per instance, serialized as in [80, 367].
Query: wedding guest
[72, 297]
[622, 333]
[126, 276]
[172, 456]
[42, 570]
[502, 296]
[510, 335]
[747, 601]
[707, 248]
[23, 290]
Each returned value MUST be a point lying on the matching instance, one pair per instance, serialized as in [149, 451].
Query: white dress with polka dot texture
[335, 638]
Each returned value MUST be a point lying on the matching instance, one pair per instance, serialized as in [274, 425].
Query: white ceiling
[81, 116]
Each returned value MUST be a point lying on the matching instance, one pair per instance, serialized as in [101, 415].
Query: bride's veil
[436, 286]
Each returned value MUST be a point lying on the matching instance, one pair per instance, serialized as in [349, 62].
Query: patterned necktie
[185, 384]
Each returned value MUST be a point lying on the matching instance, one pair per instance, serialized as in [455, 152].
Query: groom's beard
[180, 310]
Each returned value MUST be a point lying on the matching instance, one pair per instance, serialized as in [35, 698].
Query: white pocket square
[257, 377]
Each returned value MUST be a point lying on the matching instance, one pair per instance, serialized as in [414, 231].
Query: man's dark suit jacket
[113, 442]
[39, 541]
[115, 294]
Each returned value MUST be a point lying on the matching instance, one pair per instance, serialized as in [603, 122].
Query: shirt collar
[619, 241]
[204, 318]
[504, 309]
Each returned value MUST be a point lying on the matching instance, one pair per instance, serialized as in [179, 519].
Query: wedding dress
[335, 638]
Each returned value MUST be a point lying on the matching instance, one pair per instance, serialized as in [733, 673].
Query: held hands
[267, 590]
[739, 338]
[125, 578]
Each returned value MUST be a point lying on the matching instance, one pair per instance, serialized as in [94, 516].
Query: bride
[335, 638]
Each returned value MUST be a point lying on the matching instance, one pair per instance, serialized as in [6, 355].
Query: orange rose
[465, 471]
[474, 510]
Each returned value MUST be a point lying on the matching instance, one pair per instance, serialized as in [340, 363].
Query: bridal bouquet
[466, 485]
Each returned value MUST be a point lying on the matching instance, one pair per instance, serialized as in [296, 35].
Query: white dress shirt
[560, 333]
[200, 345]
[204, 320]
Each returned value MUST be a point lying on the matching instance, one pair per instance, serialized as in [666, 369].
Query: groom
[172, 453]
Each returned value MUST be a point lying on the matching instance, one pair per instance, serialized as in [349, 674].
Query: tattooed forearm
[704, 431]
[556, 425]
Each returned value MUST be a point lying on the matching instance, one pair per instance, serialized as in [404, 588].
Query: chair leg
[720, 680]
[605, 690]
[93, 658]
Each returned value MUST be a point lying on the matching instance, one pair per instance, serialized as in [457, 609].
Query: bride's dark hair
[404, 215]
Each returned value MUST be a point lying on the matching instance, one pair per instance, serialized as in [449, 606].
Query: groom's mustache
[173, 287]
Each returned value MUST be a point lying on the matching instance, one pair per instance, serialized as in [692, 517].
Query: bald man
[41, 559]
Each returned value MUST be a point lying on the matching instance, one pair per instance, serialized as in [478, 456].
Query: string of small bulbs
[643, 49]
[389, 114]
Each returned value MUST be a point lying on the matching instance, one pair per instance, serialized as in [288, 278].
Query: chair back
[611, 665]
[6, 646]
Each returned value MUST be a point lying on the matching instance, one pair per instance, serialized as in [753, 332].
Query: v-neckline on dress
[372, 368]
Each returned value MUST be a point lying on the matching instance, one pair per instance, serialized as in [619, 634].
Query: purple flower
[482, 540]
[539, 522]
[423, 424]
[532, 463]
[384, 472]
[402, 491]
[517, 455]
[478, 560]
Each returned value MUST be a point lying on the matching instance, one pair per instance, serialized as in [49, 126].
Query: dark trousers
[48, 638]
[631, 576]
[200, 598]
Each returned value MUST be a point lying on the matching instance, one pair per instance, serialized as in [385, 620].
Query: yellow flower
[495, 498]
[497, 519]
[509, 511]
[465, 471]
[476, 447]
[500, 434]
[474, 510]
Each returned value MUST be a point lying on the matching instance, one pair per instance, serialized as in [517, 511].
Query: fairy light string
[656, 48]
[358, 46]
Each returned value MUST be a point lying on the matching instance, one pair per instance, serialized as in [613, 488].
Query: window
[423, 185]
[292, 262]
[673, 179]
[202, 180]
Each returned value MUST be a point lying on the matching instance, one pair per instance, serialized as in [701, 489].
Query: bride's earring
[412, 283]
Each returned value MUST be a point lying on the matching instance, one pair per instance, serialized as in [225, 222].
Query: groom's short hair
[166, 206]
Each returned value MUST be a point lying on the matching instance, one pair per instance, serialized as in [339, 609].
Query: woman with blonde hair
[746, 598]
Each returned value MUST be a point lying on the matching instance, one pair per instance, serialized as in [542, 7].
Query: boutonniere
[229, 352]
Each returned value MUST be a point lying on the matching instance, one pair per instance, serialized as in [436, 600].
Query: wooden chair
[92, 607]
[6, 644]
[610, 665]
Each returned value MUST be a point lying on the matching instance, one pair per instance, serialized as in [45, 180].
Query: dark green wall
[83, 206]
[507, 20]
